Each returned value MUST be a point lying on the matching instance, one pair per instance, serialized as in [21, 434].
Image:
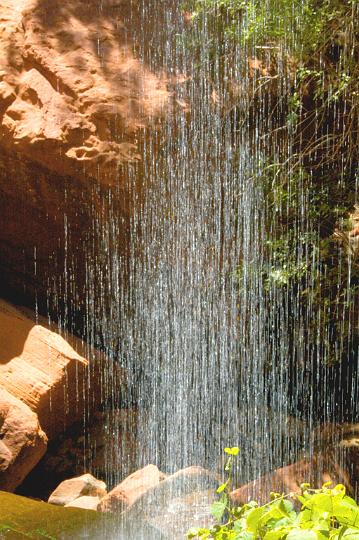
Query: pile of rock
[169, 504]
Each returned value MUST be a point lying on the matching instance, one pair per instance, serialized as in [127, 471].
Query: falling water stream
[215, 353]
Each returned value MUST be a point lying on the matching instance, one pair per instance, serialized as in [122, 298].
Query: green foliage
[300, 26]
[23, 518]
[324, 514]
[303, 95]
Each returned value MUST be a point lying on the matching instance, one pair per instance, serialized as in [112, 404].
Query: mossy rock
[21, 517]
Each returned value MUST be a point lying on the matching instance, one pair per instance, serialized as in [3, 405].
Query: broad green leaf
[240, 525]
[351, 534]
[217, 510]
[253, 518]
[345, 512]
[286, 505]
[275, 535]
[350, 501]
[244, 535]
[322, 502]
[322, 534]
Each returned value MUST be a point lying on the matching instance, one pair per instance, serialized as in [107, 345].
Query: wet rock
[131, 489]
[87, 502]
[284, 480]
[177, 503]
[22, 441]
[74, 488]
[336, 460]
[182, 513]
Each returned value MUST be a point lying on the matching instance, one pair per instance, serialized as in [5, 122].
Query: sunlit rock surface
[75, 104]
[86, 502]
[45, 386]
[131, 489]
[73, 93]
[74, 488]
[22, 441]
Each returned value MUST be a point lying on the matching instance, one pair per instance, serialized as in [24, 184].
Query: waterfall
[219, 348]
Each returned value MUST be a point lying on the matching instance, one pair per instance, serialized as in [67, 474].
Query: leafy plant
[323, 514]
[285, 77]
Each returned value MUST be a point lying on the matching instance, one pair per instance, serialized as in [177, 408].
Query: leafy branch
[324, 514]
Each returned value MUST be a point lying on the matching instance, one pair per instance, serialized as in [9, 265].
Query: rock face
[74, 488]
[22, 441]
[131, 489]
[41, 381]
[75, 104]
[71, 86]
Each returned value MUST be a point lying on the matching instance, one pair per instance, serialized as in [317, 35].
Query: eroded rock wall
[46, 384]
[76, 101]
[73, 94]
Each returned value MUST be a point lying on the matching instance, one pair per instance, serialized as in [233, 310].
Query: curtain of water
[202, 328]
[216, 353]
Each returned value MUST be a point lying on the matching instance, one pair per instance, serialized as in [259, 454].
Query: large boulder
[45, 385]
[22, 441]
[131, 489]
[74, 488]
[284, 480]
[181, 501]
[42, 369]
[335, 459]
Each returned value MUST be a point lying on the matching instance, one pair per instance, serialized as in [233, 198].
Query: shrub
[324, 514]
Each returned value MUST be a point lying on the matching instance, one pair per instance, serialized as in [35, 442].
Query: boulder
[284, 480]
[43, 370]
[74, 488]
[180, 484]
[131, 489]
[22, 441]
[65, 457]
[87, 502]
[177, 503]
[181, 513]
[46, 385]
[335, 459]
